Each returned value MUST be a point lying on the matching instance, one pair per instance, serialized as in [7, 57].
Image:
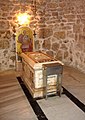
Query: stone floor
[58, 108]
[74, 82]
[13, 102]
[62, 108]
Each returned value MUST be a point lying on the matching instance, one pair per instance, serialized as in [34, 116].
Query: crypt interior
[42, 51]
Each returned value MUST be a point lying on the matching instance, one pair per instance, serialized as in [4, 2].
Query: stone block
[77, 28]
[82, 39]
[55, 46]
[47, 44]
[59, 55]
[5, 44]
[1, 44]
[52, 5]
[4, 25]
[63, 47]
[66, 54]
[60, 35]
[50, 53]
[45, 32]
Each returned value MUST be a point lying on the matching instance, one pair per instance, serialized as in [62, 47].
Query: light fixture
[23, 18]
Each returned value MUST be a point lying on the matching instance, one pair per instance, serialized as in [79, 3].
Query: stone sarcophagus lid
[34, 72]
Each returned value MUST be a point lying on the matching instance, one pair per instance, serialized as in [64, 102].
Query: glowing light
[23, 18]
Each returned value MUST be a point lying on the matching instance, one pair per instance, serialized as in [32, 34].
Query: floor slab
[74, 82]
[13, 102]
[60, 108]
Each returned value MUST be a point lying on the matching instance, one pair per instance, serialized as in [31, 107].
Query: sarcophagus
[34, 73]
[41, 73]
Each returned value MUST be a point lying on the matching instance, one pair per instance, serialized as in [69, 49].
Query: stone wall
[64, 33]
[59, 27]
[8, 26]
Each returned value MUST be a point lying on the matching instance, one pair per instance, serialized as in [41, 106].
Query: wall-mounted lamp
[23, 18]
